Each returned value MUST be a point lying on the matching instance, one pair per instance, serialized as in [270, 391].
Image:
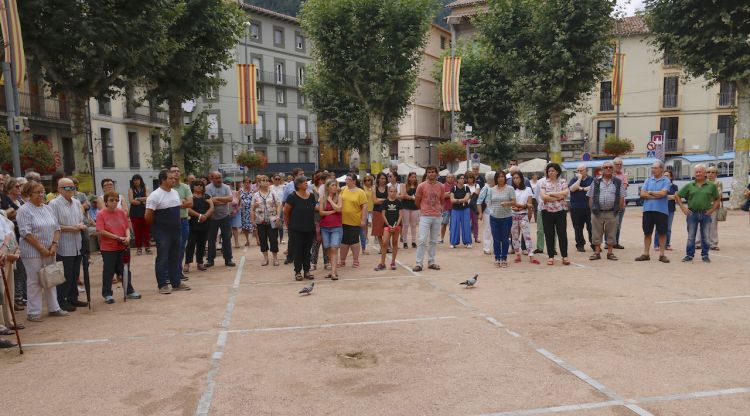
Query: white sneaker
[81, 289]
[452, 246]
[468, 246]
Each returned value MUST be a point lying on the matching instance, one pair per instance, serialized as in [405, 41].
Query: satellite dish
[188, 106]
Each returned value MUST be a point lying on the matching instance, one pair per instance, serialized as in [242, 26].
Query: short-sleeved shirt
[623, 177]
[302, 215]
[370, 200]
[699, 198]
[266, 207]
[351, 205]
[431, 198]
[392, 210]
[522, 197]
[39, 221]
[460, 193]
[185, 193]
[549, 187]
[607, 194]
[166, 207]
[578, 199]
[68, 213]
[220, 210]
[447, 205]
[496, 197]
[116, 222]
[661, 204]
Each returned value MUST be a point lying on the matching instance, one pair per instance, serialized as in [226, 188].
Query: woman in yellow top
[353, 218]
[367, 184]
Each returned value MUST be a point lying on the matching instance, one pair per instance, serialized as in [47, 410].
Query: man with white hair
[655, 211]
[702, 200]
[480, 178]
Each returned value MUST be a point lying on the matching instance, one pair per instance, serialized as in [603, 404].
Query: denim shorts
[446, 217]
[331, 236]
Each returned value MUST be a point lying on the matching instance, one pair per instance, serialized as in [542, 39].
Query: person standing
[331, 227]
[474, 188]
[392, 229]
[379, 195]
[69, 215]
[353, 219]
[410, 215]
[235, 218]
[137, 195]
[500, 199]
[246, 200]
[200, 213]
[484, 213]
[10, 202]
[671, 205]
[460, 231]
[606, 199]
[712, 173]
[367, 185]
[430, 197]
[108, 185]
[288, 190]
[539, 206]
[520, 229]
[163, 214]
[221, 195]
[265, 213]
[186, 200]
[554, 191]
[702, 201]
[113, 229]
[40, 238]
[623, 177]
[277, 187]
[450, 182]
[580, 213]
[655, 211]
[300, 209]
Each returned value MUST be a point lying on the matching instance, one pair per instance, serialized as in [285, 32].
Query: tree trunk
[364, 162]
[741, 145]
[177, 129]
[555, 149]
[376, 143]
[78, 130]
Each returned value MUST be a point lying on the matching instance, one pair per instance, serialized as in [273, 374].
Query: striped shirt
[496, 197]
[68, 213]
[38, 221]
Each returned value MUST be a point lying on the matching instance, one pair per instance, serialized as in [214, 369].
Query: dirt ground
[593, 338]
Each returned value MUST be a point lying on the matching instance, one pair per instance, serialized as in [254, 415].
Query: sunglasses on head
[68, 188]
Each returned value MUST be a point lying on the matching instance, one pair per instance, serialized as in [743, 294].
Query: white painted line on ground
[343, 324]
[695, 395]
[409, 269]
[352, 279]
[204, 404]
[725, 256]
[580, 266]
[75, 341]
[559, 409]
[703, 299]
[462, 301]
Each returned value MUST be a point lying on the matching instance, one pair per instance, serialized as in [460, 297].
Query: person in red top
[429, 199]
[114, 238]
[450, 182]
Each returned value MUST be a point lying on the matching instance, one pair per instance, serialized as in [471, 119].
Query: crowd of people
[190, 221]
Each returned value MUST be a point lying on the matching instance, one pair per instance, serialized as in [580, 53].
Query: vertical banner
[451, 75]
[11, 28]
[247, 102]
[618, 64]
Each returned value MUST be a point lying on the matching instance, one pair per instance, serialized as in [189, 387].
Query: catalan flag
[248, 101]
[451, 74]
[11, 28]
[618, 65]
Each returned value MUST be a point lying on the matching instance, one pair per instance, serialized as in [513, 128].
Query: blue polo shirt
[655, 185]
[578, 199]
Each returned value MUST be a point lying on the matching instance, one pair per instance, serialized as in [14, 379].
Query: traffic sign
[475, 157]
[586, 156]
[650, 146]
[651, 153]
[657, 138]
[228, 167]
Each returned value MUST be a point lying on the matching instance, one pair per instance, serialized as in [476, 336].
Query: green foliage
[198, 151]
[451, 151]
[615, 146]
[252, 160]
[35, 155]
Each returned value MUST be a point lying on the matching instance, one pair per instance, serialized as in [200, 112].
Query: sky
[630, 6]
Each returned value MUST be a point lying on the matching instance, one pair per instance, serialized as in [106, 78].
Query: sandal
[355, 263]
[566, 262]
[518, 258]
[551, 262]
[18, 307]
[186, 268]
[393, 266]
[595, 256]
[309, 276]
[416, 268]
[17, 326]
[298, 277]
[611, 256]
[335, 276]
[139, 252]
[329, 276]
[342, 263]
[533, 260]
[275, 262]
[643, 257]
[6, 331]
[433, 266]
[380, 267]
[265, 263]
[148, 250]
[503, 264]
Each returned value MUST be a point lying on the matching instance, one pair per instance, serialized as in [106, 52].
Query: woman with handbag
[114, 238]
[265, 213]
[40, 234]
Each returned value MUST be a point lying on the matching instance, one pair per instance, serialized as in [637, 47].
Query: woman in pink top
[331, 228]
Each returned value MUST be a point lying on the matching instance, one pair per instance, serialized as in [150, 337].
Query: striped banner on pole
[248, 101]
[451, 75]
[618, 63]
[11, 28]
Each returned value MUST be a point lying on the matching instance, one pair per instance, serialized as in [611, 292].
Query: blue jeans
[669, 231]
[331, 236]
[184, 235]
[693, 221]
[620, 216]
[501, 236]
[460, 226]
[167, 265]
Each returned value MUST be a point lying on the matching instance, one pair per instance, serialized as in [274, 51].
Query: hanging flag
[451, 73]
[248, 102]
[12, 32]
[618, 64]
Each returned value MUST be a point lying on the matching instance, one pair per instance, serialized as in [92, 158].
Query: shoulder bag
[721, 213]
[52, 275]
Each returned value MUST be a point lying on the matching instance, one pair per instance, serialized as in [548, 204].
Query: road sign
[650, 146]
[228, 167]
[657, 138]
[651, 153]
[586, 156]
[475, 157]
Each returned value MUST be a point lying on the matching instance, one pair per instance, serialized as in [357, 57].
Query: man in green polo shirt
[702, 200]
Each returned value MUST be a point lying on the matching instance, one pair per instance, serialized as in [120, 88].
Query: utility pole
[11, 96]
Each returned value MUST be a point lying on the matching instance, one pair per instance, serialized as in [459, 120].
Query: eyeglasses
[607, 167]
[68, 188]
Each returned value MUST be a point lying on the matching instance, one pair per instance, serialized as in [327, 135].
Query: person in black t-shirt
[391, 228]
[460, 218]
[300, 211]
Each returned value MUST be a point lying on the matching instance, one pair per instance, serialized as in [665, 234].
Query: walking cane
[126, 272]
[12, 312]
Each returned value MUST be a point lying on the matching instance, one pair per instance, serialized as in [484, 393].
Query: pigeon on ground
[307, 289]
[470, 282]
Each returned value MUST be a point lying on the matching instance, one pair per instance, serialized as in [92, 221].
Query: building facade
[424, 125]
[286, 131]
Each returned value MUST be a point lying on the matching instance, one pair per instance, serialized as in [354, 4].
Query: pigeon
[307, 289]
[470, 282]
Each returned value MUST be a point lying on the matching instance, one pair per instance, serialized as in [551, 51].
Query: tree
[197, 150]
[555, 51]
[710, 40]
[204, 35]
[369, 51]
[91, 48]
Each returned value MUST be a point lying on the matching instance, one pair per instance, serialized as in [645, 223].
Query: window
[669, 59]
[727, 94]
[726, 126]
[609, 59]
[212, 93]
[155, 144]
[281, 127]
[213, 123]
[299, 41]
[443, 41]
[105, 106]
[300, 75]
[279, 73]
[300, 100]
[282, 156]
[671, 83]
[278, 36]
[604, 129]
[304, 156]
[133, 149]
[108, 149]
[302, 128]
[258, 68]
[669, 126]
[605, 96]
[280, 96]
[255, 31]
[259, 126]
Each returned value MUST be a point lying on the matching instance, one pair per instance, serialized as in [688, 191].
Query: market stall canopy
[464, 166]
[533, 165]
[342, 178]
[405, 168]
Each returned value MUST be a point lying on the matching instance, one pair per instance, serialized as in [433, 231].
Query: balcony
[267, 77]
[306, 139]
[146, 115]
[284, 138]
[605, 104]
[218, 136]
[727, 99]
[674, 146]
[261, 136]
[37, 107]
[728, 142]
[670, 102]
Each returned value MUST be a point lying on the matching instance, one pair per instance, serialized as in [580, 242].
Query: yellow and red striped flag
[13, 31]
[618, 65]
[451, 75]
[248, 102]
